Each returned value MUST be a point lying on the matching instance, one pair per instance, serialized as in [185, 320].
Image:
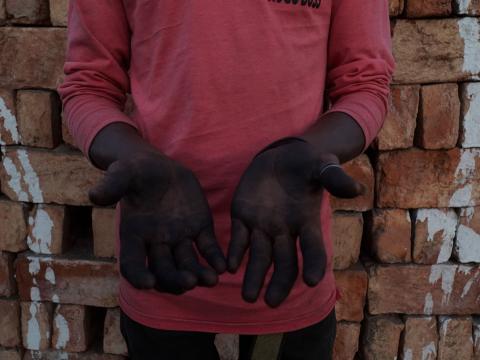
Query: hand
[277, 200]
[163, 212]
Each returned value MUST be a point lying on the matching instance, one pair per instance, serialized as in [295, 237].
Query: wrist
[117, 141]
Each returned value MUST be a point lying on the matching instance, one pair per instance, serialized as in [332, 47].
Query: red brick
[11, 354]
[361, 170]
[72, 328]
[476, 338]
[347, 231]
[421, 289]
[36, 325]
[420, 338]
[72, 281]
[346, 340]
[428, 179]
[389, 232]
[58, 12]
[381, 337]
[398, 130]
[57, 355]
[352, 284]
[434, 233]
[38, 118]
[424, 8]
[27, 11]
[395, 7]
[7, 282]
[21, 49]
[469, 118]
[9, 323]
[103, 222]
[113, 341]
[432, 50]
[47, 229]
[8, 121]
[14, 227]
[455, 340]
[438, 121]
[34, 175]
[469, 7]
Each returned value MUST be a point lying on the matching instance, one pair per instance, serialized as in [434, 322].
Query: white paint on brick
[467, 244]
[447, 274]
[464, 269]
[429, 352]
[461, 197]
[33, 265]
[440, 222]
[62, 329]
[469, 30]
[469, 284]
[471, 120]
[33, 330]
[40, 237]
[409, 219]
[464, 173]
[463, 6]
[476, 332]
[467, 212]
[444, 321]
[30, 177]
[50, 275]
[41, 234]
[466, 166]
[55, 298]
[9, 123]
[428, 304]
[407, 354]
[35, 293]
[15, 178]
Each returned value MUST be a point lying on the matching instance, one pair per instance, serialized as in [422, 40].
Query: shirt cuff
[86, 115]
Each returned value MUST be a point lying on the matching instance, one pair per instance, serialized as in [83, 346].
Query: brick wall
[407, 253]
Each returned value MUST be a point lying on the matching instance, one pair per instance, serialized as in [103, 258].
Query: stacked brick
[407, 253]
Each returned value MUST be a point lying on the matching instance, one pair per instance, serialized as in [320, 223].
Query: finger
[111, 188]
[336, 181]
[257, 267]
[238, 245]
[133, 257]
[186, 259]
[208, 247]
[168, 277]
[285, 270]
[314, 257]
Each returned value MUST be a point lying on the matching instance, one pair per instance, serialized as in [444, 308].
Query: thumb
[112, 187]
[338, 183]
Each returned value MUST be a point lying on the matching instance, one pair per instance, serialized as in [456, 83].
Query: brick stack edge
[407, 253]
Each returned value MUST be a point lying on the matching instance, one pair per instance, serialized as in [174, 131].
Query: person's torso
[213, 82]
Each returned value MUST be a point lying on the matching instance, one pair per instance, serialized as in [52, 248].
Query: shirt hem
[257, 328]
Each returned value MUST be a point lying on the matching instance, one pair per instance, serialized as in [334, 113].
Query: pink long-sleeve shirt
[213, 82]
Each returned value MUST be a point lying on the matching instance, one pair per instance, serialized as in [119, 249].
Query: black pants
[144, 343]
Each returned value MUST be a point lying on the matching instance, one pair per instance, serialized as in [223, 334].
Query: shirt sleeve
[360, 63]
[96, 81]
